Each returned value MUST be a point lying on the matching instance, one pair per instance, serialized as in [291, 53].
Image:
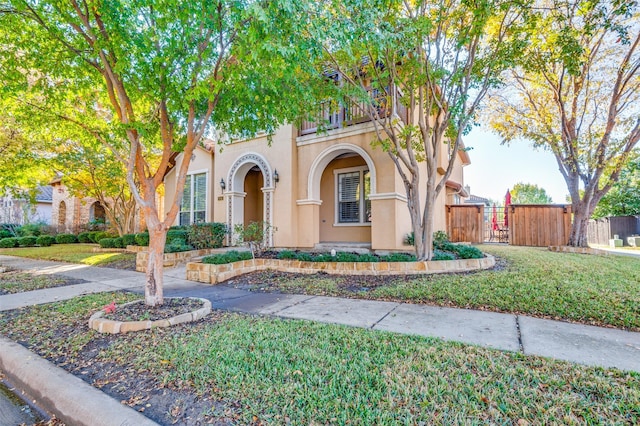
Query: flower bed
[213, 274]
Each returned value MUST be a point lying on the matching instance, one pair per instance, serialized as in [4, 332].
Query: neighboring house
[72, 214]
[475, 199]
[315, 188]
[20, 211]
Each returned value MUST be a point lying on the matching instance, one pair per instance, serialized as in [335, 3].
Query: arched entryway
[97, 213]
[250, 192]
[342, 179]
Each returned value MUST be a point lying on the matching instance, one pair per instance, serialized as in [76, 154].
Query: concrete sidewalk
[595, 346]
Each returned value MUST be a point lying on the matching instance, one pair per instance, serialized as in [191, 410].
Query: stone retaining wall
[173, 259]
[213, 274]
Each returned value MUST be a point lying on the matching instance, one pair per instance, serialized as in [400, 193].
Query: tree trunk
[578, 235]
[153, 288]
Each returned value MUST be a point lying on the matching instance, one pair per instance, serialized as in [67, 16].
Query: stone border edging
[61, 393]
[213, 274]
[102, 325]
[579, 250]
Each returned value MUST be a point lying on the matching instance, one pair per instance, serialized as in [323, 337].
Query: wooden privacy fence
[465, 222]
[539, 225]
[600, 231]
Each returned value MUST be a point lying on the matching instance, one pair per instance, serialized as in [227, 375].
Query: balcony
[331, 115]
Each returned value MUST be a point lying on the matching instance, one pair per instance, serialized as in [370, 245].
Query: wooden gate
[465, 222]
[539, 225]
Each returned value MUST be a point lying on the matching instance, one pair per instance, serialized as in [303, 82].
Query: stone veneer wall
[213, 274]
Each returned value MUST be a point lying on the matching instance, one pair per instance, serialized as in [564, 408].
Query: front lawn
[75, 253]
[18, 281]
[242, 369]
[600, 290]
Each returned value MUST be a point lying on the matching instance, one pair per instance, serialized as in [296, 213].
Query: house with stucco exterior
[314, 187]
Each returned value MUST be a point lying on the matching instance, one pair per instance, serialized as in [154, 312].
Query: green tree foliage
[22, 161]
[576, 93]
[419, 70]
[624, 197]
[149, 78]
[529, 193]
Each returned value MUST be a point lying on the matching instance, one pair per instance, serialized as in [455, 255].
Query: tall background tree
[436, 60]
[148, 78]
[624, 197]
[577, 93]
[529, 193]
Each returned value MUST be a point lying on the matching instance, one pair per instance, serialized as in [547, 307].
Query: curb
[71, 399]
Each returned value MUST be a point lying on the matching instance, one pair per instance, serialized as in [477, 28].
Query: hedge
[129, 240]
[85, 237]
[108, 243]
[142, 239]
[10, 242]
[45, 240]
[28, 241]
[207, 235]
[66, 239]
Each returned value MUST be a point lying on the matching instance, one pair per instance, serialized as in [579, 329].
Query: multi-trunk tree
[420, 71]
[149, 78]
[577, 93]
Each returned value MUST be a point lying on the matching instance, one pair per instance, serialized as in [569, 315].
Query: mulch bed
[138, 311]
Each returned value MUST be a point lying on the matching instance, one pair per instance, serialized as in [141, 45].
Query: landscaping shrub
[108, 243]
[468, 252]
[287, 254]
[28, 241]
[142, 239]
[85, 237]
[10, 242]
[129, 240]
[305, 257]
[228, 257]
[368, 257]
[176, 234]
[409, 239]
[442, 255]
[207, 235]
[30, 230]
[118, 242]
[45, 240]
[343, 256]
[440, 237]
[98, 235]
[66, 239]
[5, 234]
[398, 257]
[177, 246]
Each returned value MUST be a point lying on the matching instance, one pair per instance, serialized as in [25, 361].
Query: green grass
[72, 253]
[16, 282]
[601, 290]
[274, 371]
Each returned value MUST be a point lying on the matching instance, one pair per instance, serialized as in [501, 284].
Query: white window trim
[336, 213]
[206, 206]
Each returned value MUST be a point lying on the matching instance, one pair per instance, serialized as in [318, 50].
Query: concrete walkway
[577, 343]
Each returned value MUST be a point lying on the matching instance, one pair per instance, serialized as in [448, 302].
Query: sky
[495, 168]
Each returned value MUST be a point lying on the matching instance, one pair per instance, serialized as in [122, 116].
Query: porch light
[276, 176]
[222, 184]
